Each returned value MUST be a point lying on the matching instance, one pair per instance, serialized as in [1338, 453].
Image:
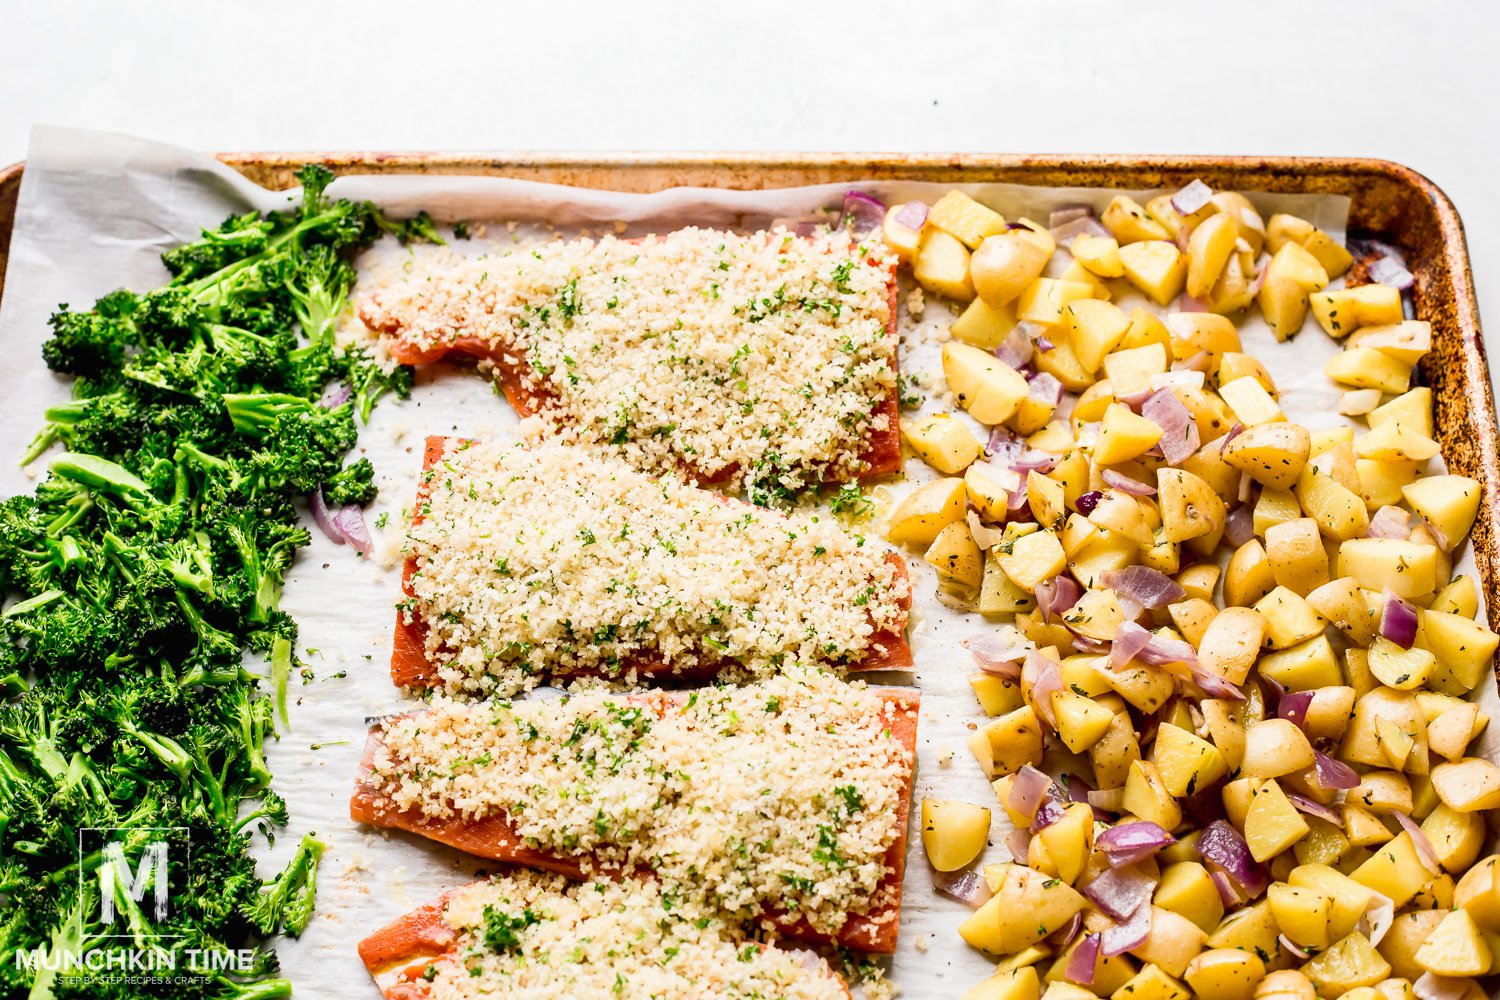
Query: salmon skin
[411, 666]
[494, 837]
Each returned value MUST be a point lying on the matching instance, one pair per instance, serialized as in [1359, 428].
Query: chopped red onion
[1379, 914]
[1086, 502]
[1133, 642]
[1065, 934]
[1034, 460]
[1049, 812]
[1120, 938]
[1028, 792]
[1419, 840]
[1235, 431]
[1430, 987]
[1193, 197]
[1068, 213]
[863, 215]
[1057, 595]
[1122, 482]
[1087, 644]
[1044, 344]
[1045, 389]
[323, 518]
[1119, 892]
[1131, 842]
[999, 652]
[1229, 894]
[912, 215]
[1188, 304]
[1438, 535]
[1017, 348]
[1199, 362]
[1293, 948]
[1129, 641]
[1388, 271]
[1041, 677]
[1260, 276]
[1018, 842]
[1179, 432]
[1308, 807]
[1239, 526]
[351, 521]
[1332, 773]
[1107, 800]
[1150, 588]
[1294, 706]
[1017, 501]
[1223, 845]
[1398, 621]
[1004, 446]
[1084, 960]
[965, 886]
[335, 396]
[1214, 685]
[1065, 234]
[1390, 522]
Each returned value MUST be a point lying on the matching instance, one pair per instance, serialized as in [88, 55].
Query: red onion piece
[1018, 842]
[1430, 987]
[1419, 840]
[335, 396]
[999, 652]
[1235, 431]
[1057, 595]
[1119, 939]
[1379, 914]
[1332, 773]
[1065, 234]
[1028, 792]
[1260, 275]
[863, 215]
[1186, 303]
[1107, 799]
[1044, 344]
[1065, 934]
[1229, 893]
[1125, 484]
[1398, 621]
[1389, 522]
[351, 521]
[1192, 197]
[912, 215]
[1131, 842]
[965, 886]
[1033, 460]
[1086, 502]
[1388, 271]
[1179, 432]
[1214, 685]
[1129, 641]
[1045, 389]
[1016, 349]
[323, 518]
[1003, 446]
[1084, 960]
[1087, 644]
[1016, 501]
[1293, 707]
[1199, 362]
[1308, 807]
[1049, 812]
[1119, 892]
[1150, 588]
[1239, 526]
[1068, 213]
[1438, 535]
[1040, 677]
[1223, 845]
[1293, 948]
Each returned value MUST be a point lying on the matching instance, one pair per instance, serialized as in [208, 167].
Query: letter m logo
[117, 881]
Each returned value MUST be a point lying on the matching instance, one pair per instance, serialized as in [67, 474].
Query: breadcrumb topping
[553, 560]
[539, 937]
[777, 797]
[760, 358]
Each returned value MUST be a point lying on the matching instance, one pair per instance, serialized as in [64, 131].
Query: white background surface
[1410, 81]
[1405, 81]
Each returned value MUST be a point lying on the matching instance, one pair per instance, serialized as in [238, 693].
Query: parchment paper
[96, 210]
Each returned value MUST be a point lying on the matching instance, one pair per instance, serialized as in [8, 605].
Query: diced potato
[1380, 482]
[1273, 748]
[1129, 370]
[1124, 435]
[1456, 948]
[1275, 507]
[1171, 943]
[956, 556]
[1366, 368]
[901, 238]
[1362, 744]
[1290, 276]
[1392, 442]
[1251, 404]
[1194, 332]
[1077, 272]
[1069, 840]
[1185, 762]
[926, 511]
[1081, 722]
[1129, 223]
[953, 833]
[1456, 837]
[942, 442]
[1044, 300]
[1011, 984]
[1342, 311]
[1014, 739]
[1358, 402]
[1298, 559]
[983, 325]
[1394, 870]
[1026, 907]
[1448, 502]
[1469, 785]
[1208, 251]
[1100, 254]
[998, 595]
[1403, 669]
[1348, 898]
[1411, 410]
[1407, 934]
[1289, 619]
[1383, 792]
[996, 694]
[965, 218]
[1272, 824]
[941, 265]
[1284, 228]
[1339, 512]
[1351, 963]
[1033, 558]
[1342, 603]
[1189, 506]
[1186, 888]
[1248, 576]
[1225, 974]
[1147, 797]
[1151, 983]
[1408, 341]
[1303, 913]
[1405, 568]
[1459, 597]
[1156, 268]
[988, 488]
[1232, 642]
[1005, 265]
[1272, 453]
[983, 384]
[1095, 329]
[1334, 258]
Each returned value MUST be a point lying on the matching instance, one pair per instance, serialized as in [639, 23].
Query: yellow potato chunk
[942, 442]
[1303, 913]
[1408, 569]
[1185, 762]
[953, 833]
[1081, 722]
[925, 511]
[1189, 506]
[1095, 328]
[1448, 502]
[1129, 222]
[1123, 435]
[1394, 870]
[1469, 785]
[1005, 265]
[1408, 341]
[965, 218]
[1272, 824]
[1009, 984]
[983, 384]
[941, 265]
[1156, 268]
[1225, 974]
[1456, 948]
[1209, 248]
[1272, 453]
[1151, 983]
[1366, 368]
[1033, 558]
[1100, 254]
[901, 238]
[1251, 403]
[1342, 311]
[984, 326]
[1349, 964]
[956, 556]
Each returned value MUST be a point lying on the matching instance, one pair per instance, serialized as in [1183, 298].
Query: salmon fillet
[412, 667]
[495, 838]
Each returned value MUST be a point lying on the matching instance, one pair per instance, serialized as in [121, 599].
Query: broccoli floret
[287, 903]
[238, 237]
[319, 288]
[86, 343]
[355, 484]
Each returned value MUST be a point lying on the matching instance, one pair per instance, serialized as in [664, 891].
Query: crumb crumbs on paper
[944, 755]
[915, 303]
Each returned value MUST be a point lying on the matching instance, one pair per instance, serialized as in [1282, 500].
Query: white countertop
[1415, 83]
